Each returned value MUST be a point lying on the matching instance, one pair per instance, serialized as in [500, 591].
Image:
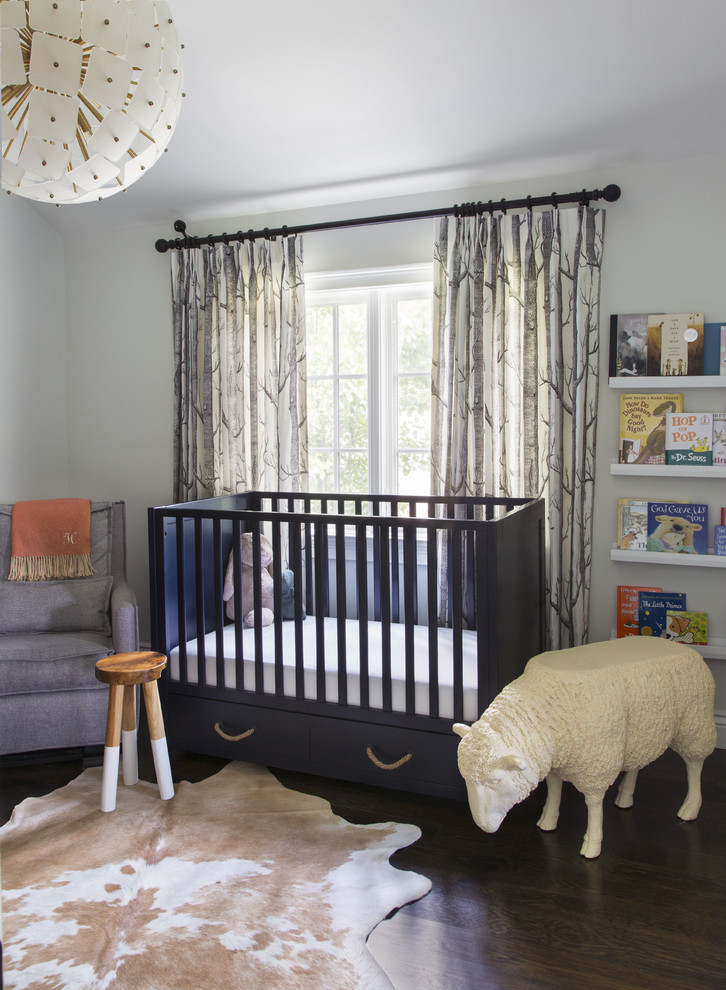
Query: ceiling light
[91, 93]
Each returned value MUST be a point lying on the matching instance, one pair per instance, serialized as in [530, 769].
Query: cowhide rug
[237, 883]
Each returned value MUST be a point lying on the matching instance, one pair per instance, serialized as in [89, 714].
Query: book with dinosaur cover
[627, 609]
[689, 438]
[678, 527]
[686, 627]
[675, 344]
[643, 425]
[652, 608]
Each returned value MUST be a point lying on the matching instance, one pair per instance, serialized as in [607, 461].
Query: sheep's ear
[512, 762]
[460, 729]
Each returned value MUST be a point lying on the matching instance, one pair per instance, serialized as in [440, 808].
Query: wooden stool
[122, 672]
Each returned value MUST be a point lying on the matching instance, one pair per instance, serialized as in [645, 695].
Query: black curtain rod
[610, 194]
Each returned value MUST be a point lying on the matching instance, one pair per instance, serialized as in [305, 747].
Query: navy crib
[366, 678]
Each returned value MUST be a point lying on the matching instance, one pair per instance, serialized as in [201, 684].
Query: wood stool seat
[123, 672]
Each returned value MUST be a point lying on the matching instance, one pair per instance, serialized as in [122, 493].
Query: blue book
[712, 348]
[677, 527]
[653, 607]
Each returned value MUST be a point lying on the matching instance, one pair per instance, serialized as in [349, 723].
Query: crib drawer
[239, 732]
[383, 751]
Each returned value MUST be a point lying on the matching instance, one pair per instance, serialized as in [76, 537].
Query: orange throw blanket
[51, 539]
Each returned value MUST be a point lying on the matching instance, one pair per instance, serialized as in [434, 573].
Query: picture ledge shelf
[671, 470]
[683, 559]
[672, 383]
[715, 649]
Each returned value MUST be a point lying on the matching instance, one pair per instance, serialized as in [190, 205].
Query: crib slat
[409, 585]
[320, 570]
[432, 592]
[237, 597]
[361, 571]
[395, 590]
[457, 623]
[181, 601]
[257, 609]
[485, 647]
[277, 609]
[199, 583]
[341, 611]
[385, 579]
[218, 566]
[296, 565]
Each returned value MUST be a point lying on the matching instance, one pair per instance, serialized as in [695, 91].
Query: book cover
[713, 333]
[632, 524]
[642, 425]
[719, 438]
[675, 344]
[652, 608]
[686, 627]
[678, 527]
[689, 438]
[627, 610]
[722, 355]
[628, 339]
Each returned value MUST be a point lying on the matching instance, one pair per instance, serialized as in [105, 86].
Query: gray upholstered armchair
[52, 633]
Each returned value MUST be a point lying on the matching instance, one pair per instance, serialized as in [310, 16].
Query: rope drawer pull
[387, 766]
[243, 735]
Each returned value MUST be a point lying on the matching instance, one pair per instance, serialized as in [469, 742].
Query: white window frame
[381, 289]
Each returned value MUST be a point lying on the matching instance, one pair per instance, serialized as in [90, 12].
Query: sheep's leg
[593, 836]
[626, 789]
[692, 805]
[551, 811]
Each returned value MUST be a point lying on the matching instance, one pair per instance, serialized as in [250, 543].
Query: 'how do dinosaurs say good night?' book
[643, 425]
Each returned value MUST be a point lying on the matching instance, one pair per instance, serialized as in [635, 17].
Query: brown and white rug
[237, 883]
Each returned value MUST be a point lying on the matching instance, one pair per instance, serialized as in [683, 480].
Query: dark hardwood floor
[521, 909]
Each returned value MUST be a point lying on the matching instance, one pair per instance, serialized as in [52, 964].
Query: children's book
[722, 355]
[719, 438]
[632, 524]
[714, 348]
[627, 617]
[675, 344]
[689, 438]
[643, 425]
[677, 527]
[687, 627]
[628, 339]
[652, 608]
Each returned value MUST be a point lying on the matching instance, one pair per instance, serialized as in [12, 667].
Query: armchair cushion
[41, 662]
[55, 606]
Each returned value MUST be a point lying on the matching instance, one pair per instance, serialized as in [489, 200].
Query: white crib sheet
[309, 626]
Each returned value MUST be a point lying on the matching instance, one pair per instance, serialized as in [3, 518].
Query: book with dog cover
[652, 608]
[689, 438]
[643, 425]
[632, 524]
[687, 627]
[678, 527]
[627, 615]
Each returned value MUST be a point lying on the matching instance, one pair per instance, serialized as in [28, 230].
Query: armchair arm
[124, 618]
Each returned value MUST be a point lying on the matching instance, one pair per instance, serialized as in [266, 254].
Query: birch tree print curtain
[239, 368]
[515, 380]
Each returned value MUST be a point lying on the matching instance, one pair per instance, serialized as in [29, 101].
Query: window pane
[319, 339]
[413, 319]
[354, 472]
[321, 467]
[321, 431]
[414, 474]
[353, 412]
[414, 419]
[353, 339]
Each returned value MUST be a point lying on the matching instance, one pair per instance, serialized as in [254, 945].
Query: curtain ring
[503, 206]
[554, 200]
[225, 238]
[251, 235]
[240, 236]
[490, 207]
[456, 210]
[284, 230]
[529, 204]
[585, 198]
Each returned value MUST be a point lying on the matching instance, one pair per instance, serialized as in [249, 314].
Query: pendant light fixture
[91, 93]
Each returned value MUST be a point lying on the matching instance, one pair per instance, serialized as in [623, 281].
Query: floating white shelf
[666, 384]
[673, 559]
[670, 470]
[715, 650]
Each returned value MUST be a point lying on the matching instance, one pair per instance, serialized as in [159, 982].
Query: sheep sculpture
[584, 715]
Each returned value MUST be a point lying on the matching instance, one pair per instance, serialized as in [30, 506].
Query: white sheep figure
[584, 715]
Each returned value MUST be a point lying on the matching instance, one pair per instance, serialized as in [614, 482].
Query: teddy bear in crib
[247, 581]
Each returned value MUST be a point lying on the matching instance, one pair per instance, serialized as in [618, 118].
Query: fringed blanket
[51, 539]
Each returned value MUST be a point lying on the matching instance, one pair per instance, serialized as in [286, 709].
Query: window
[369, 381]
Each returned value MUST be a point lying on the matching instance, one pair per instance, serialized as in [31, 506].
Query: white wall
[664, 250]
[34, 388]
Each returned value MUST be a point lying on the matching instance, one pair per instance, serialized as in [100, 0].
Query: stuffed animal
[266, 582]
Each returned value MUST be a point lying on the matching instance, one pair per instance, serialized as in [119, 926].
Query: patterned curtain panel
[239, 368]
[515, 380]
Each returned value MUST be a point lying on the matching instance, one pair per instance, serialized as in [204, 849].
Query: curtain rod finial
[161, 245]
[611, 193]
[180, 227]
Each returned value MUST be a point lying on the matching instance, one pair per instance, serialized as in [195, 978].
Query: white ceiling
[300, 103]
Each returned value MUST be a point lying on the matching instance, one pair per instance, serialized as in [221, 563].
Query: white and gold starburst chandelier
[91, 93]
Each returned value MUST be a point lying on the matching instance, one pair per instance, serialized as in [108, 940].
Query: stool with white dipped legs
[123, 672]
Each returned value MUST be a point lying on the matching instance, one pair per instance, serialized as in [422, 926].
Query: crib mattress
[352, 632]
